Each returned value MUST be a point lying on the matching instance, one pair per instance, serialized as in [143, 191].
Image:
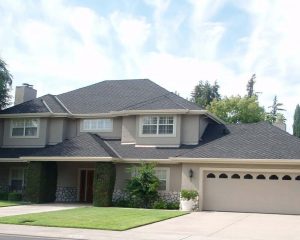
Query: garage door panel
[251, 195]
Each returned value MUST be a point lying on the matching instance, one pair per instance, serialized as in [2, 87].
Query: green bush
[189, 194]
[14, 197]
[4, 196]
[104, 183]
[173, 205]
[41, 181]
[143, 187]
[159, 204]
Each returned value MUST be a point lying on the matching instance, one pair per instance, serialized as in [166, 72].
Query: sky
[62, 45]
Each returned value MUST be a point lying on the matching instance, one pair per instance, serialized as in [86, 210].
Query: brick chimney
[24, 93]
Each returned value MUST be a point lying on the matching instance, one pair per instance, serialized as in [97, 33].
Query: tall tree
[204, 93]
[237, 109]
[296, 124]
[250, 86]
[5, 85]
[275, 110]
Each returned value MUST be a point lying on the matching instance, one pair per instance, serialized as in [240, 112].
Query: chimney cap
[27, 85]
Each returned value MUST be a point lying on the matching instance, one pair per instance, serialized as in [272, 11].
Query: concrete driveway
[199, 225]
[35, 208]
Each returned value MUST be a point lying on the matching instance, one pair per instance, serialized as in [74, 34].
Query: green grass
[8, 203]
[94, 218]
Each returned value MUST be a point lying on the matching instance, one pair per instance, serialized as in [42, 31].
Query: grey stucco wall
[55, 130]
[203, 122]
[128, 129]
[190, 129]
[39, 141]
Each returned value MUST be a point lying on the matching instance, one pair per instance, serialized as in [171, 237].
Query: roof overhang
[237, 161]
[11, 160]
[68, 159]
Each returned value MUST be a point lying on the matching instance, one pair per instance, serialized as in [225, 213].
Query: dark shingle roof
[36, 106]
[249, 141]
[17, 152]
[107, 96]
[85, 145]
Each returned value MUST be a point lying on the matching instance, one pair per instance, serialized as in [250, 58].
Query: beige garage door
[251, 192]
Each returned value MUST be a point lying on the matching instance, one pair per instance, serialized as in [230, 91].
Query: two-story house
[242, 167]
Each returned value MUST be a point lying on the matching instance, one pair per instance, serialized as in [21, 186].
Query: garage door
[251, 192]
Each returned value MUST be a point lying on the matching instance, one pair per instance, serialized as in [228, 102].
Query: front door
[86, 185]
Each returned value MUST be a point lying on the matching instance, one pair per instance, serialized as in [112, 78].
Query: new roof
[107, 96]
[239, 141]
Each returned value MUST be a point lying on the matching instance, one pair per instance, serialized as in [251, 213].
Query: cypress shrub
[104, 183]
[41, 181]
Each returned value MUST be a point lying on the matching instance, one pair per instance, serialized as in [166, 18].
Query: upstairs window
[158, 125]
[101, 125]
[27, 127]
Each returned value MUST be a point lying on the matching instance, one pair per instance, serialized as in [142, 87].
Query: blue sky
[62, 45]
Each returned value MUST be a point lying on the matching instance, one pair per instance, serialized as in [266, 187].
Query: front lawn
[94, 218]
[8, 203]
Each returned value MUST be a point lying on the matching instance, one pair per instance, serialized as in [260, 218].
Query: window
[223, 175]
[273, 177]
[158, 125]
[210, 175]
[260, 177]
[102, 125]
[16, 179]
[27, 127]
[248, 176]
[297, 178]
[163, 174]
[286, 177]
[235, 176]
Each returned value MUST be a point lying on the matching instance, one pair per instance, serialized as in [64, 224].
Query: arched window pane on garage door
[273, 177]
[297, 178]
[223, 175]
[235, 176]
[261, 177]
[286, 177]
[248, 176]
[210, 175]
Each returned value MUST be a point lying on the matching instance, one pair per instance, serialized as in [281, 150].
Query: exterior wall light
[191, 173]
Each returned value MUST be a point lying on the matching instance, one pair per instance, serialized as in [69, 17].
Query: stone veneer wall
[171, 197]
[66, 194]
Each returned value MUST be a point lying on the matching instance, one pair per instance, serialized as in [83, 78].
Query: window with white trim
[16, 179]
[101, 125]
[158, 125]
[163, 174]
[27, 127]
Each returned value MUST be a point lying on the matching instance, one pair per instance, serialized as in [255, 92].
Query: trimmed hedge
[14, 196]
[104, 183]
[41, 181]
[4, 196]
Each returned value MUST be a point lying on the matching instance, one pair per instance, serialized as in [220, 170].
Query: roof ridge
[174, 101]
[142, 103]
[105, 145]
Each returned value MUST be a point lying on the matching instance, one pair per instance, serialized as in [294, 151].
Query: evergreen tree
[5, 85]
[275, 109]
[250, 86]
[204, 93]
[296, 124]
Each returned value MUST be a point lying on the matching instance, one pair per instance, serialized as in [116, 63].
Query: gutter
[68, 159]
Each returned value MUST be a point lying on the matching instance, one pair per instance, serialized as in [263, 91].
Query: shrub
[143, 187]
[41, 181]
[104, 183]
[173, 205]
[160, 204]
[14, 196]
[189, 194]
[4, 196]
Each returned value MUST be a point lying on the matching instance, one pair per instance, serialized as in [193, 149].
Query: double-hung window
[158, 125]
[27, 127]
[101, 125]
[16, 179]
[163, 174]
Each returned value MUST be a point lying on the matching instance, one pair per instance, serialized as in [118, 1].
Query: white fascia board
[69, 159]
[12, 160]
[237, 161]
